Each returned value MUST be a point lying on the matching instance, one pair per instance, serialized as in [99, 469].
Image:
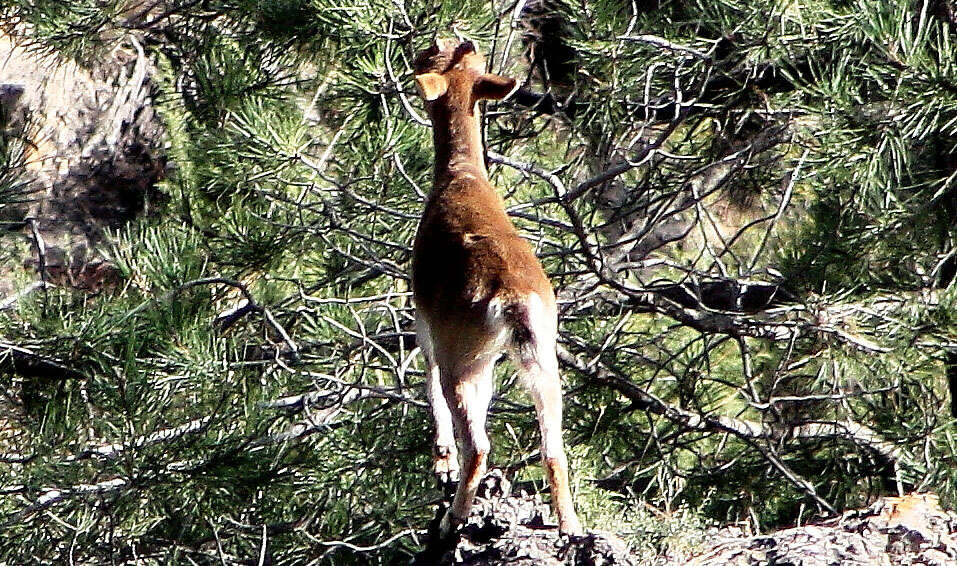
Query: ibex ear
[493, 87]
[431, 85]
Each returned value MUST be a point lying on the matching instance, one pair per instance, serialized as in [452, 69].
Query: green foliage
[810, 146]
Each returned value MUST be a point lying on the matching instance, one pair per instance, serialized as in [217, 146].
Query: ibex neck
[458, 143]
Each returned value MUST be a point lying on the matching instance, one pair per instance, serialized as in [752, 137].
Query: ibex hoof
[571, 527]
[448, 526]
[446, 467]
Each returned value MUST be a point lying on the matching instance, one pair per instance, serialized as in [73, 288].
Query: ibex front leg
[468, 392]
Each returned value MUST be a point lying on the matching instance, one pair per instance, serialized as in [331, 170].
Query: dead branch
[860, 435]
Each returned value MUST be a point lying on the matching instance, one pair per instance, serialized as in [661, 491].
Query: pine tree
[747, 208]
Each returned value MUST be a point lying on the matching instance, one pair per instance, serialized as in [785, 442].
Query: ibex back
[478, 289]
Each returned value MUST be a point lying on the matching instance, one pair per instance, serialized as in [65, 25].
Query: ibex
[479, 290]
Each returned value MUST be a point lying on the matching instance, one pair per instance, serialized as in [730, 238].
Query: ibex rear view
[478, 289]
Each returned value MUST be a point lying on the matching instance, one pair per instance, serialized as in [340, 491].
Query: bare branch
[111, 451]
[665, 44]
[744, 429]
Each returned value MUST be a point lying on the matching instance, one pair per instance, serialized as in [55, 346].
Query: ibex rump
[478, 289]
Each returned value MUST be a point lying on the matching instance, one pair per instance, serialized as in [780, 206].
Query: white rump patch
[495, 319]
[536, 308]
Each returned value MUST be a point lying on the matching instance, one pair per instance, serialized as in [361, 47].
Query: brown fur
[466, 251]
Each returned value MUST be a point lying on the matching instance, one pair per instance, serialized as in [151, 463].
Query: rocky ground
[513, 528]
[909, 530]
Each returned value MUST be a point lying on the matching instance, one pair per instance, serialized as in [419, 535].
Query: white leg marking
[445, 465]
[543, 320]
[544, 385]
[470, 392]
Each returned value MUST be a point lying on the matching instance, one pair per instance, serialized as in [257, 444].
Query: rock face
[90, 155]
[895, 531]
[512, 528]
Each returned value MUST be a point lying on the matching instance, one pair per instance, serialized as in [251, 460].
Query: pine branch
[26, 362]
[750, 431]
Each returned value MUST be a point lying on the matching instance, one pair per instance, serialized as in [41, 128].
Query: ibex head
[455, 70]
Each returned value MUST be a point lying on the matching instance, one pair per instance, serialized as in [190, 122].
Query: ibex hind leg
[469, 392]
[445, 456]
[538, 363]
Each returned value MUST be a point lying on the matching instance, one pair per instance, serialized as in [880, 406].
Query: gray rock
[91, 150]
[514, 529]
